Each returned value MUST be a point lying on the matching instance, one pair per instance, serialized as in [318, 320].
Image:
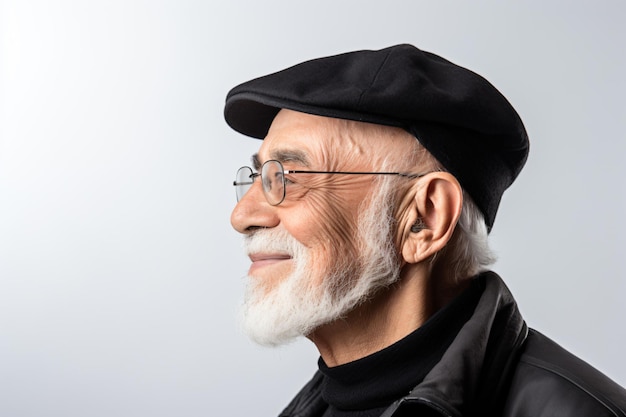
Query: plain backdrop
[120, 275]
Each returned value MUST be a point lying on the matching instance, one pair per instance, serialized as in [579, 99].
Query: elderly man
[366, 216]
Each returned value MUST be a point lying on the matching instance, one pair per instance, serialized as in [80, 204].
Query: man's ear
[432, 217]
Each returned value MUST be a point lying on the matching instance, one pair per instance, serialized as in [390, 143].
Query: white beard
[296, 306]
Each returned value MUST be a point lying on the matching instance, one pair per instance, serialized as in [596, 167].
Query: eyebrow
[283, 155]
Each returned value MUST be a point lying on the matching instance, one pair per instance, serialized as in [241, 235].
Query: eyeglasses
[274, 182]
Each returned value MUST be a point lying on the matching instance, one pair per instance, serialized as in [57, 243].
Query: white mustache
[271, 240]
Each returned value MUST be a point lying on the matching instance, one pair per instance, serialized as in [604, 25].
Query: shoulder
[550, 381]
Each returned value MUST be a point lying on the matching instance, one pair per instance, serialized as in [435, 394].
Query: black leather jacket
[496, 366]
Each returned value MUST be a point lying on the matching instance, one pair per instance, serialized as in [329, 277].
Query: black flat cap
[455, 113]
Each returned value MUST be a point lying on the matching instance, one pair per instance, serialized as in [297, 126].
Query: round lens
[273, 182]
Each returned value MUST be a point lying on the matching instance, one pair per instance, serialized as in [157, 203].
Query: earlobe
[435, 210]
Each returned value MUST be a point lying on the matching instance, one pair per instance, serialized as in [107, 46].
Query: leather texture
[550, 381]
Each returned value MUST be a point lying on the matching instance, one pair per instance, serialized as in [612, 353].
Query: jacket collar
[472, 373]
[476, 368]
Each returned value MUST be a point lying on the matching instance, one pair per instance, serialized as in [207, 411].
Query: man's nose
[253, 211]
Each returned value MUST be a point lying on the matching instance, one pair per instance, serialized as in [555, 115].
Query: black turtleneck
[367, 386]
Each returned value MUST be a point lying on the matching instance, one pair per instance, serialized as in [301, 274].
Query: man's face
[317, 254]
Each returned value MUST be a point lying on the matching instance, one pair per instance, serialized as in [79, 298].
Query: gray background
[119, 272]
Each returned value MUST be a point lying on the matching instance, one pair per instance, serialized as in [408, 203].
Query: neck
[390, 315]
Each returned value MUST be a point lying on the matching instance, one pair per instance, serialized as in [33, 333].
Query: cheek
[326, 224]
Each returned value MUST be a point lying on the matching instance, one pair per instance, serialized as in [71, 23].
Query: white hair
[468, 252]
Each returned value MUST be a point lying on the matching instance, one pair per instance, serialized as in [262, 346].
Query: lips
[260, 260]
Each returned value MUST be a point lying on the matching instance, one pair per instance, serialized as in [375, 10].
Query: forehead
[309, 140]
